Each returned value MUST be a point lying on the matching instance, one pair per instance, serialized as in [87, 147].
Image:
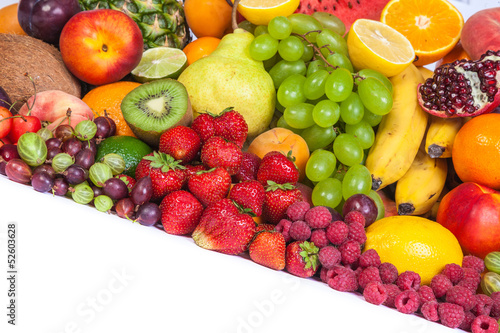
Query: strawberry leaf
[164, 162]
[273, 186]
[309, 254]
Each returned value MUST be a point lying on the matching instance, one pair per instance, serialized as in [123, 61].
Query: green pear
[230, 77]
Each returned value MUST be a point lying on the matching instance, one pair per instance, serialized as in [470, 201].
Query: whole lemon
[413, 243]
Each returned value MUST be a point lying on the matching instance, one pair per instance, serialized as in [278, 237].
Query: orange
[432, 26]
[476, 151]
[108, 98]
[208, 17]
[8, 17]
[200, 48]
[457, 53]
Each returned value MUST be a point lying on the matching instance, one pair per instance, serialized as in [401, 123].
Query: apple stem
[234, 14]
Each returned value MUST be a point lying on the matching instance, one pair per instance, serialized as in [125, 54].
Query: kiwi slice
[154, 107]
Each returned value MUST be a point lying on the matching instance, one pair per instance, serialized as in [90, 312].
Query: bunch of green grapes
[323, 99]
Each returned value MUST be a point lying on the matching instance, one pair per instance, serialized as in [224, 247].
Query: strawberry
[277, 199]
[167, 174]
[249, 195]
[277, 167]
[249, 167]
[217, 152]
[210, 186]
[302, 259]
[268, 249]
[180, 212]
[129, 181]
[224, 229]
[191, 169]
[264, 226]
[231, 125]
[204, 125]
[180, 142]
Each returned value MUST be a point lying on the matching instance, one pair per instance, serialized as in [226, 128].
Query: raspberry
[299, 230]
[337, 232]
[367, 275]
[469, 283]
[466, 323]
[484, 324]
[454, 272]
[329, 256]
[430, 310]
[473, 262]
[327, 274]
[495, 307]
[356, 232]
[323, 274]
[426, 294]
[388, 272]
[354, 216]
[318, 237]
[297, 210]
[483, 305]
[461, 296]
[407, 301]
[451, 315]
[350, 252]
[318, 217]
[283, 227]
[408, 280]
[471, 273]
[344, 280]
[369, 258]
[440, 285]
[375, 293]
[392, 292]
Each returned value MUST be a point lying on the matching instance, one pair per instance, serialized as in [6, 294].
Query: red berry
[329, 257]
[299, 230]
[407, 301]
[375, 293]
[451, 315]
[337, 232]
[318, 217]
[180, 142]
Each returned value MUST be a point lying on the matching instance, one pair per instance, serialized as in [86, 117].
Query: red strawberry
[180, 212]
[231, 126]
[278, 198]
[224, 229]
[129, 181]
[204, 125]
[264, 227]
[249, 195]
[278, 168]
[191, 169]
[249, 167]
[210, 186]
[268, 249]
[217, 152]
[166, 173]
[302, 259]
[180, 142]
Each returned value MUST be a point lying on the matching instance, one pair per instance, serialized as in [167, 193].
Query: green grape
[327, 192]
[375, 96]
[314, 86]
[279, 27]
[367, 72]
[299, 115]
[82, 193]
[284, 69]
[99, 173]
[318, 137]
[260, 30]
[339, 85]
[291, 91]
[269, 63]
[282, 123]
[308, 52]
[326, 113]
[303, 23]
[363, 132]
[352, 109]
[357, 180]
[85, 130]
[320, 165]
[348, 149]
[291, 48]
[263, 47]
[372, 118]
[340, 172]
[380, 204]
[492, 261]
[61, 162]
[329, 41]
[103, 203]
[315, 66]
[115, 162]
[279, 107]
[330, 21]
[490, 283]
[340, 60]
[248, 26]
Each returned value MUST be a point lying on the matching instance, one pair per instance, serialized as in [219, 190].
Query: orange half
[433, 27]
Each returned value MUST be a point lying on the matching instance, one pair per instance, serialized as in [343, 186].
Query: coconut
[26, 57]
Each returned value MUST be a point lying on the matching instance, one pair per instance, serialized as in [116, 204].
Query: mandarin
[200, 48]
[10, 23]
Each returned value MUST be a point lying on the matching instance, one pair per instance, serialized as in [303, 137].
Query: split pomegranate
[463, 88]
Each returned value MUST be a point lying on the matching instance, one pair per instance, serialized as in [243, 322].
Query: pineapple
[162, 22]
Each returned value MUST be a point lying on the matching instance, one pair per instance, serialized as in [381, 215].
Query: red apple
[472, 213]
[481, 32]
[101, 46]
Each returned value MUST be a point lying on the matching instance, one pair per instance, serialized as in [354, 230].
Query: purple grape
[363, 204]
[336, 216]
[85, 158]
[5, 99]
[72, 146]
[142, 191]
[53, 143]
[125, 208]
[8, 152]
[115, 188]
[53, 152]
[60, 187]
[17, 170]
[64, 132]
[91, 145]
[106, 127]
[97, 191]
[3, 164]
[148, 214]
[45, 168]
[42, 181]
[75, 174]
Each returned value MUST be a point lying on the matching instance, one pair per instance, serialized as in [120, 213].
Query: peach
[481, 32]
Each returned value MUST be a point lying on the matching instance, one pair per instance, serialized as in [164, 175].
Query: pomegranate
[463, 88]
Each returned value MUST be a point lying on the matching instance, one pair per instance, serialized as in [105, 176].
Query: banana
[400, 132]
[440, 136]
[420, 187]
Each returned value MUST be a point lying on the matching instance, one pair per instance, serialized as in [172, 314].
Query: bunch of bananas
[411, 147]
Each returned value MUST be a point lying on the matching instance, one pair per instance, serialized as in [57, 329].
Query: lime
[160, 63]
[131, 149]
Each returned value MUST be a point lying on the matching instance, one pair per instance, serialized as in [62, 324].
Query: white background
[80, 270]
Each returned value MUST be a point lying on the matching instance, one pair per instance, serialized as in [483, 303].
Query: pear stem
[234, 15]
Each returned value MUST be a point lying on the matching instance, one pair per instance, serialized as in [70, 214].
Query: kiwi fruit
[154, 107]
